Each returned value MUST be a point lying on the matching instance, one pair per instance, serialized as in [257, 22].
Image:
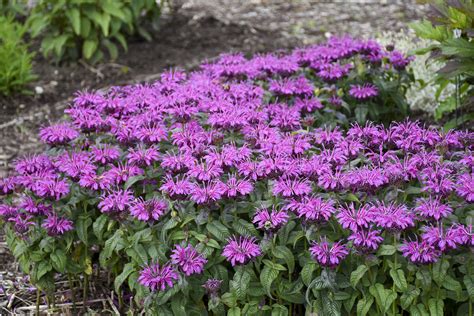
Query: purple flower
[328, 255]
[58, 134]
[399, 61]
[148, 210]
[142, 156]
[7, 185]
[177, 188]
[312, 208]
[432, 207]
[22, 222]
[270, 220]
[238, 187]
[366, 240]
[95, 181]
[241, 250]
[188, 259]
[212, 286]
[355, 219]
[156, 277]
[207, 192]
[50, 188]
[420, 252]
[288, 187]
[104, 153]
[465, 186]
[115, 201]
[363, 92]
[56, 226]
[439, 237]
[392, 216]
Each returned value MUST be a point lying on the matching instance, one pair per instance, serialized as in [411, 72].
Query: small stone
[39, 90]
[53, 83]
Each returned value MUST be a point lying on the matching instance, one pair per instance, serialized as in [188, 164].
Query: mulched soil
[199, 30]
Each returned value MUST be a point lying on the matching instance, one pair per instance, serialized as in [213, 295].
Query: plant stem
[73, 293]
[38, 298]
[394, 304]
[84, 291]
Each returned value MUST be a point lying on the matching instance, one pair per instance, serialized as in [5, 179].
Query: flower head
[363, 92]
[328, 255]
[270, 220]
[57, 225]
[241, 250]
[157, 277]
[188, 259]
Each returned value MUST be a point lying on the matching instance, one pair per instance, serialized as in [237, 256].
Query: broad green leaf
[453, 285]
[218, 229]
[240, 283]
[399, 279]
[364, 304]
[234, 311]
[469, 282]
[113, 8]
[282, 252]
[436, 307]
[132, 180]
[127, 269]
[279, 310]
[307, 272]
[357, 274]
[267, 276]
[418, 310]
[74, 17]
[82, 227]
[440, 269]
[383, 297]
[409, 297]
[43, 268]
[59, 260]
[386, 250]
[88, 48]
[99, 225]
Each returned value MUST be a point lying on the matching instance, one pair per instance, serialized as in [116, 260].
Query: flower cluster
[230, 159]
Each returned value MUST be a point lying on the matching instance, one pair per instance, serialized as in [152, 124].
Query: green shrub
[450, 27]
[15, 65]
[73, 29]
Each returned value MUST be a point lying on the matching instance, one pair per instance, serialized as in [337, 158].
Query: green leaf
[399, 279]
[436, 307]
[307, 272]
[279, 310]
[234, 311]
[364, 304]
[88, 48]
[357, 274]
[440, 268]
[127, 269]
[418, 310]
[74, 17]
[244, 228]
[386, 250]
[267, 276]
[85, 27]
[453, 285]
[240, 283]
[43, 268]
[409, 297]
[383, 297]
[82, 226]
[113, 8]
[59, 260]
[218, 229]
[132, 180]
[99, 225]
[282, 252]
[469, 282]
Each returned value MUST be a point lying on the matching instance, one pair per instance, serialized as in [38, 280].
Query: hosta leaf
[357, 274]
[127, 269]
[436, 307]
[282, 252]
[267, 276]
[399, 279]
[363, 306]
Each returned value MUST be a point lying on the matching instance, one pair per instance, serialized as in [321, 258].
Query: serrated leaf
[440, 269]
[240, 283]
[409, 297]
[363, 306]
[307, 272]
[436, 307]
[59, 260]
[218, 229]
[127, 270]
[453, 285]
[357, 274]
[282, 252]
[383, 297]
[386, 250]
[267, 276]
[398, 277]
[43, 268]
